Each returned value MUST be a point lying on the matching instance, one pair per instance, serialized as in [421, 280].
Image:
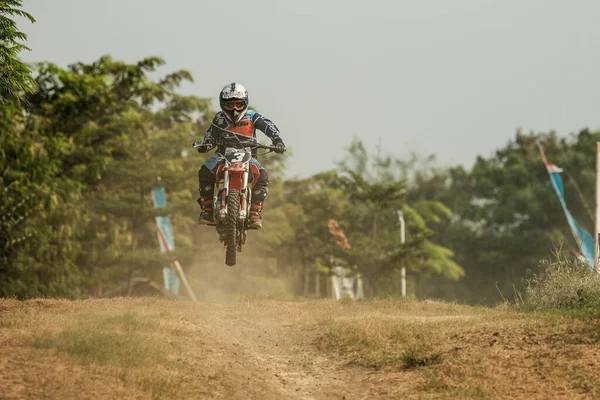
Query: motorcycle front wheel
[231, 227]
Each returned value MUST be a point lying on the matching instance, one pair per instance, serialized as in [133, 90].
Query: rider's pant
[207, 179]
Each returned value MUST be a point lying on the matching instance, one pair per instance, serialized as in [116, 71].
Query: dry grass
[128, 342]
[258, 348]
[467, 352]
[564, 284]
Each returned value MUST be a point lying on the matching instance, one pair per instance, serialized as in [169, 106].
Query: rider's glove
[204, 146]
[279, 148]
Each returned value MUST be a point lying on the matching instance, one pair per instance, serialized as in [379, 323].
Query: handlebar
[228, 143]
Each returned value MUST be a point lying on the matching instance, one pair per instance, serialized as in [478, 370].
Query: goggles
[237, 105]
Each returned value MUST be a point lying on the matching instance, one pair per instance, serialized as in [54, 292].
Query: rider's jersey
[246, 127]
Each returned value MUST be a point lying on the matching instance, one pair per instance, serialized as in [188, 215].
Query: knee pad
[261, 189]
[206, 180]
[263, 179]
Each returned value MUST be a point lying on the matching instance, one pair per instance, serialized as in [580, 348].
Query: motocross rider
[235, 117]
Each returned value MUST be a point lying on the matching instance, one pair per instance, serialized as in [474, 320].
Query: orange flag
[336, 231]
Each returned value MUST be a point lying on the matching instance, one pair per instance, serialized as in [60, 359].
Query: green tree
[366, 207]
[15, 76]
[35, 227]
[79, 167]
[506, 215]
[377, 194]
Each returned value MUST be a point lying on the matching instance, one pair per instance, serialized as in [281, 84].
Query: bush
[563, 284]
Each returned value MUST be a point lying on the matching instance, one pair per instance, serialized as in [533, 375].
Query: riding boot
[255, 221]
[207, 190]
[206, 214]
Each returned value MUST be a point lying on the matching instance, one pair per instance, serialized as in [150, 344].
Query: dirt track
[245, 351]
[265, 349]
[273, 356]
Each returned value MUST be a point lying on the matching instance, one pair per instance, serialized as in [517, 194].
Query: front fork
[220, 200]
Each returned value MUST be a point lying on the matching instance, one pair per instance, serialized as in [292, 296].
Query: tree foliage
[365, 204]
[506, 216]
[81, 154]
[78, 165]
[15, 76]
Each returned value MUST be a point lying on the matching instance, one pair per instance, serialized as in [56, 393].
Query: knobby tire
[231, 227]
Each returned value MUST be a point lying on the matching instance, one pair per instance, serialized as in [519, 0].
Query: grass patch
[456, 352]
[585, 382]
[125, 340]
[433, 383]
[159, 386]
[381, 341]
[564, 284]
[414, 357]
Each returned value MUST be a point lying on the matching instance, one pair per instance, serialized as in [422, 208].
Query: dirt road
[268, 349]
[270, 353]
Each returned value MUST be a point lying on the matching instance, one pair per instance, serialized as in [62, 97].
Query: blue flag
[165, 239]
[586, 241]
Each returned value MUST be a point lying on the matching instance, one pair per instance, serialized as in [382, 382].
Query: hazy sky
[454, 78]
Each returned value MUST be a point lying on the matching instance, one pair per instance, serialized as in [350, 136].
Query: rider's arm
[267, 127]
[210, 137]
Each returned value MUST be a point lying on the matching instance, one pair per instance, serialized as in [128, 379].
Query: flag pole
[543, 155]
[580, 194]
[163, 239]
[597, 215]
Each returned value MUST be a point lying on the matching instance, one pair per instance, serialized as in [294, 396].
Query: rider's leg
[206, 186]
[259, 195]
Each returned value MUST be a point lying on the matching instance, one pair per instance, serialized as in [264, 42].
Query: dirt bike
[233, 196]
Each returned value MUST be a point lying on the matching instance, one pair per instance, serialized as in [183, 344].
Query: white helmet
[234, 102]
